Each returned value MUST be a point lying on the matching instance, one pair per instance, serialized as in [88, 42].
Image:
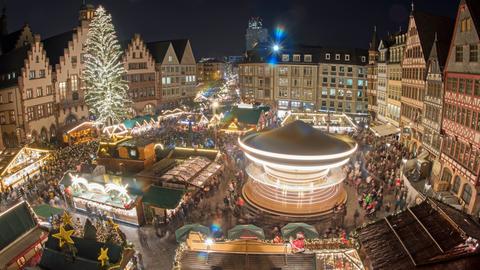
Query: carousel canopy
[298, 138]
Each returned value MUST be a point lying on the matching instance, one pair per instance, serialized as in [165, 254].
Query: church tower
[86, 12]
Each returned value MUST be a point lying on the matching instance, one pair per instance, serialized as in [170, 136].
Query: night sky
[217, 27]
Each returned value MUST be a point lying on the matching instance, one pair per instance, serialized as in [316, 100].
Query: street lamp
[276, 48]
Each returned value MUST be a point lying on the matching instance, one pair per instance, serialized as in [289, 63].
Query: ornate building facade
[42, 90]
[420, 36]
[307, 79]
[461, 126]
[394, 73]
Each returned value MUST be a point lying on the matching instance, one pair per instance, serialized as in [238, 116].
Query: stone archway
[34, 135]
[53, 131]
[44, 135]
[149, 109]
[71, 118]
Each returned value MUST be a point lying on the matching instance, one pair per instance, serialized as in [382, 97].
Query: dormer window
[307, 58]
[170, 58]
[337, 56]
[285, 57]
[296, 58]
[347, 57]
[327, 56]
[364, 59]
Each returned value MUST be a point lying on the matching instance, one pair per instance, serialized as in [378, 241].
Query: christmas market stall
[246, 249]
[244, 118]
[126, 155]
[192, 122]
[21, 238]
[106, 195]
[81, 133]
[161, 202]
[24, 164]
[140, 124]
[168, 114]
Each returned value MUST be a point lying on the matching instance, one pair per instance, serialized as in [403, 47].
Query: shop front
[105, 195]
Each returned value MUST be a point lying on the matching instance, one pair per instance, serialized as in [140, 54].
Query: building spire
[412, 5]
[3, 20]
[436, 37]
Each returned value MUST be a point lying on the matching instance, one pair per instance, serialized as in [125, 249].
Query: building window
[447, 176]
[32, 74]
[467, 193]
[29, 93]
[40, 111]
[74, 83]
[170, 58]
[347, 57]
[73, 59]
[456, 184]
[459, 54]
[473, 53]
[337, 56]
[49, 90]
[364, 59]
[62, 90]
[39, 92]
[49, 108]
[30, 114]
[285, 57]
[296, 58]
[12, 117]
[307, 58]
[41, 73]
[327, 56]
[283, 103]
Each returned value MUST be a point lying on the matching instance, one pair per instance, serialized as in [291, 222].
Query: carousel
[295, 170]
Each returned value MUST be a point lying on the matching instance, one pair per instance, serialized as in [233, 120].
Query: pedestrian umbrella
[291, 229]
[182, 233]
[248, 231]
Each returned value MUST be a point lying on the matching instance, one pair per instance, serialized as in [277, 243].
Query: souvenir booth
[24, 164]
[84, 132]
[116, 197]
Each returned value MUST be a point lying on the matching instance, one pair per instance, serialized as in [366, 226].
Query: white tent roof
[384, 130]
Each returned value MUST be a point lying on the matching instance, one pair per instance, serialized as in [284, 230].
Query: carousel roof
[298, 138]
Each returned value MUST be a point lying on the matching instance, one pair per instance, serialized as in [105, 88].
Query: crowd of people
[375, 173]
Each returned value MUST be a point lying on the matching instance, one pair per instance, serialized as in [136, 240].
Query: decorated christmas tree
[106, 94]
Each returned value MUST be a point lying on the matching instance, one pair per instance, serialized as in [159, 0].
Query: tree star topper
[67, 219]
[103, 258]
[64, 236]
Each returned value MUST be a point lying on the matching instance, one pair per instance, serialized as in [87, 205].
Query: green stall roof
[161, 197]
[14, 223]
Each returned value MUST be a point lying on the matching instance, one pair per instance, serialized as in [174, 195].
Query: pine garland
[106, 96]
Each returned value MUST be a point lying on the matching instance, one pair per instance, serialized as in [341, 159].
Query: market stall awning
[163, 197]
[384, 130]
[45, 211]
